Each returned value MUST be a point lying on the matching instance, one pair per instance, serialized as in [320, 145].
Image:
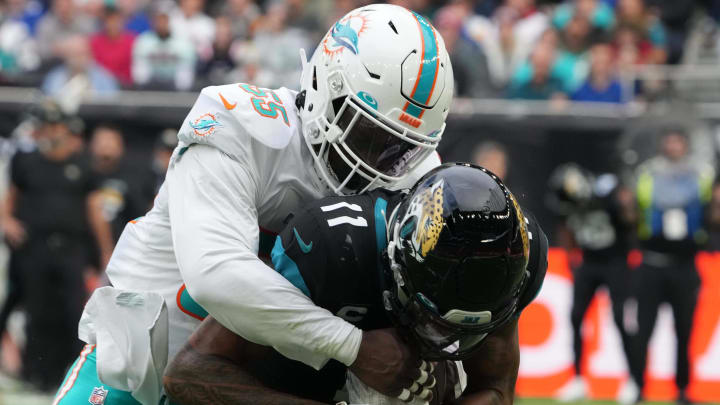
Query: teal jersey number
[266, 102]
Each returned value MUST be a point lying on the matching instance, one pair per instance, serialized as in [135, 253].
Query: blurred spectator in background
[49, 212]
[531, 23]
[340, 8]
[470, 66]
[676, 16]
[492, 156]
[93, 8]
[486, 8]
[631, 48]
[18, 50]
[572, 62]
[190, 22]
[136, 20]
[162, 152]
[633, 16]
[78, 75]
[426, 7]
[243, 15]
[508, 38]
[63, 21]
[599, 14]
[594, 230]
[160, 59]
[125, 190]
[536, 79]
[603, 83]
[219, 68]
[280, 67]
[312, 16]
[112, 46]
[673, 192]
[28, 12]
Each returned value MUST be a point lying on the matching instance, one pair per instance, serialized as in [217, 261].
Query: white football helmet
[374, 97]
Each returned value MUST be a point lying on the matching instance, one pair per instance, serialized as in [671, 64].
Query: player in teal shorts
[83, 374]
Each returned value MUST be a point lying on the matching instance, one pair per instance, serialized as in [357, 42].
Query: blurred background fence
[538, 135]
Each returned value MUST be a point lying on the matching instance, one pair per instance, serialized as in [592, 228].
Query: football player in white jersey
[372, 107]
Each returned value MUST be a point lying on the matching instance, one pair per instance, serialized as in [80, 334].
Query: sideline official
[47, 214]
[673, 193]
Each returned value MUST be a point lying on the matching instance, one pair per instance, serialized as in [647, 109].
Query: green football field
[545, 401]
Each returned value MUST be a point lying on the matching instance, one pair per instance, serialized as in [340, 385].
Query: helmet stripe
[413, 110]
[426, 78]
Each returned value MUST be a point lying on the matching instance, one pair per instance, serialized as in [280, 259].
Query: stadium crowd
[526, 49]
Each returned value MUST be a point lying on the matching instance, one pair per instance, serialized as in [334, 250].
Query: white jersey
[240, 168]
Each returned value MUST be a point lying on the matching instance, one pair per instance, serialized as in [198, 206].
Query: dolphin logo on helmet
[345, 35]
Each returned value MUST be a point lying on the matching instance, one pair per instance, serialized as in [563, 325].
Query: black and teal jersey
[332, 251]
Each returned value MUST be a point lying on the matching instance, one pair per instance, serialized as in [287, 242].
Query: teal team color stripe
[414, 110]
[429, 65]
[380, 227]
[188, 304]
[287, 267]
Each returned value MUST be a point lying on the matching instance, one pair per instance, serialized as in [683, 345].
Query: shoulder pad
[228, 116]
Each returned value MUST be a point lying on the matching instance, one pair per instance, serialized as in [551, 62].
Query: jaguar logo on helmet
[427, 209]
[523, 225]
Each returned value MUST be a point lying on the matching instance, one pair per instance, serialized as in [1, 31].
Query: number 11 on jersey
[344, 219]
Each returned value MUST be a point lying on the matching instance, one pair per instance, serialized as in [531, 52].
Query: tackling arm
[210, 370]
[215, 235]
[492, 372]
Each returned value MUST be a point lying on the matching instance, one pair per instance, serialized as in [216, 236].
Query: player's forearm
[194, 378]
[274, 313]
[215, 236]
[493, 371]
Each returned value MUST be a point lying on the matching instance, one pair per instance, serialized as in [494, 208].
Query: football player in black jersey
[449, 266]
[596, 220]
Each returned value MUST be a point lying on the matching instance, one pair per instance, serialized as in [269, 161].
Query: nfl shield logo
[98, 396]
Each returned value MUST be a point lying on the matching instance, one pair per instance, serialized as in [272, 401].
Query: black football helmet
[570, 188]
[458, 251]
